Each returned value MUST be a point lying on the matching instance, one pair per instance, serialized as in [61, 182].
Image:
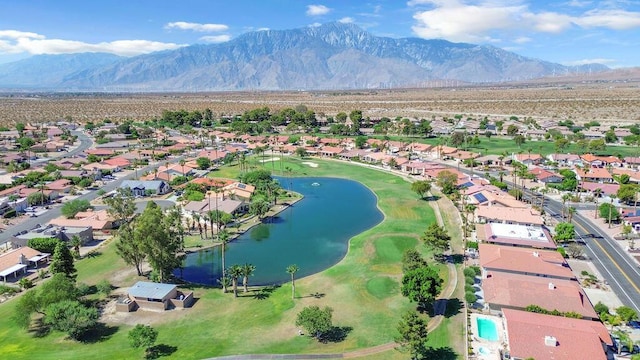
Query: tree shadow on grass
[431, 198]
[336, 334]
[454, 258]
[160, 350]
[39, 329]
[443, 353]
[265, 292]
[453, 307]
[99, 333]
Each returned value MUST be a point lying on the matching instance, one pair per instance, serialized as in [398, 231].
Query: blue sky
[568, 32]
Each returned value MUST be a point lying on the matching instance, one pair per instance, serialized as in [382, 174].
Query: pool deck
[491, 349]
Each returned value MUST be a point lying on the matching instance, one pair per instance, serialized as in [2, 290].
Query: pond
[314, 234]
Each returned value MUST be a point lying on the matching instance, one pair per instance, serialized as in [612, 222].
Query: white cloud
[588, 61]
[612, 19]
[346, 20]
[522, 40]
[459, 22]
[216, 38]
[32, 43]
[317, 10]
[315, 24]
[578, 3]
[548, 22]
[181, 25]
[16, 34]
[479, 20]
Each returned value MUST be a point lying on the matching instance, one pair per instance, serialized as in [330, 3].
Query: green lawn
[498, 146]
[363, 290]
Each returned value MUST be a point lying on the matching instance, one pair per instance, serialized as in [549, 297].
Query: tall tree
[315, 321]
[143, 336]
[71, 208]
[121, 206]
[72, 317]
[421, 187]
[565, 232]
[224, 238]
[62, 261]
[421, 285]
[247, 270]
[159, 242]
[437, 238]
[130, 248]
[413, 334]
[235, 271]
[292, 270]
[447, 181]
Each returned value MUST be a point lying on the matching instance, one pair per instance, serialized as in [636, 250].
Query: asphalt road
[616, 266]
[54, 212]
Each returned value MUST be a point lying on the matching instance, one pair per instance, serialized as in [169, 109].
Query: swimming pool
[487, 329]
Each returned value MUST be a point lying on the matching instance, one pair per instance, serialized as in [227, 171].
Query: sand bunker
[312, 164]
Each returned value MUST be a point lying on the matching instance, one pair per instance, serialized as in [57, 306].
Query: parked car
[634, 324]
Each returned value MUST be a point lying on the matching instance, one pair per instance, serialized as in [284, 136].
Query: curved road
[54, 212]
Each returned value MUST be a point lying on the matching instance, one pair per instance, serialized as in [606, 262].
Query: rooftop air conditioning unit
[551, 286]
[550, 341]
[536, 254]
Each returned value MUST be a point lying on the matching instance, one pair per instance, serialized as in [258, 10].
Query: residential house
[546, 176]
[61, 186]
[529, 159]
[593, 174]
[545, 337]
[98, 221]
[516, 291]
[631, 161]
[565, 160]
[239, 190]
[143, 188]
[601, 161]
[524, 261]
[537, 237]
[605, 189]
[506, 215]
[17, 261]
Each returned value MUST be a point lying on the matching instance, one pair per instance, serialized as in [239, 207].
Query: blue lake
[314, 233]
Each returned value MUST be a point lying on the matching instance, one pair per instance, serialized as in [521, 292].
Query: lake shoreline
[248, 224]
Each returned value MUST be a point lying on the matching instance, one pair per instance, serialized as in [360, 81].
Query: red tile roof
[517, 291]
[569, 339]
[524, 261]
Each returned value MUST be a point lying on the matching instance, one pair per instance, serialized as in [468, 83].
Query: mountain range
[326, 57]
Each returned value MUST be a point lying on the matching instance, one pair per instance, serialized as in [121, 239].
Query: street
[54, 212]
[616, 266]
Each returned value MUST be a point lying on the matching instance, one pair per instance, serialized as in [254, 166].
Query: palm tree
[292, 270]
[211, 216]
[235, 271]
[224, 237]
[596, 194]
[565, 198]
[76, 242]
[612, 196]
[571, 211]
[247, 270]
[182, 162]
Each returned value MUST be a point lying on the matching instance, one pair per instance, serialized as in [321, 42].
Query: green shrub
[563, 252]
[7, 290]
[469, 288]
[470, 297]
[10, 214]
[469, 272]
[469, 280]
[25, 283]
[45, 245]
[472, 245]
[476, 269]
[601, 308]
[104, 287]
[83, 289]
